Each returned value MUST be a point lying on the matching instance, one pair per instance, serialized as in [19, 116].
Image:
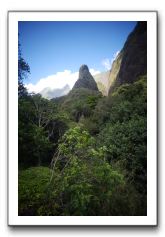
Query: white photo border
[13, 18]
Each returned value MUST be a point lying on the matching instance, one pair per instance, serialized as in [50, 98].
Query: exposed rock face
[85, 79]
[133, 58]
[134, 62]
[114, 70]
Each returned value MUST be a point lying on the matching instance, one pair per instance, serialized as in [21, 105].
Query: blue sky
[53, 47]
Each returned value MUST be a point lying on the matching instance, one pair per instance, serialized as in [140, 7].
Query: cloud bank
[56, 85]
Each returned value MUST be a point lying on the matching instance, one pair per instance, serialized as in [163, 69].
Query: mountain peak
[83, 71]
[85, 79]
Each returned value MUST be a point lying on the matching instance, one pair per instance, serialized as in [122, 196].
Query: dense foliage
[83, 154]
[32, 187]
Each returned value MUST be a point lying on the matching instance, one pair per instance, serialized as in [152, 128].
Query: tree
[23, 71]
[124, 134]
[40, 127]
[34, 145]
[32, 186]
[82, 181]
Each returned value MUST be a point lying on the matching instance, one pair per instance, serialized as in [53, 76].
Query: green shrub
[32, 188]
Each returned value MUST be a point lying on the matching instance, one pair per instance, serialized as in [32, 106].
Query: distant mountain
[102, 80]
[85, 79]
[53, 93]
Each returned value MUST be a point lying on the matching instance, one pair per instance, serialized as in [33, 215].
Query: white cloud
[107, 63]
[56, 81]
[94, 72]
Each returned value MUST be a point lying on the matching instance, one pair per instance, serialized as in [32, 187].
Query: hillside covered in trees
[86, 153]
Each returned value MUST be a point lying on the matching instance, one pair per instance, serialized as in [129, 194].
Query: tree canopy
[83, 154]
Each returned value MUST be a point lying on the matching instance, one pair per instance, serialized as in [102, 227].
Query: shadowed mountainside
[132, 60]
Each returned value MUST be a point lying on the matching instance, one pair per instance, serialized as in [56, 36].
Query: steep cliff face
[114, 70]
[85, 79]
[132, 60]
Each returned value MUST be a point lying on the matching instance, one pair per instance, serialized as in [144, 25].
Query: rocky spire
[85, 79]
